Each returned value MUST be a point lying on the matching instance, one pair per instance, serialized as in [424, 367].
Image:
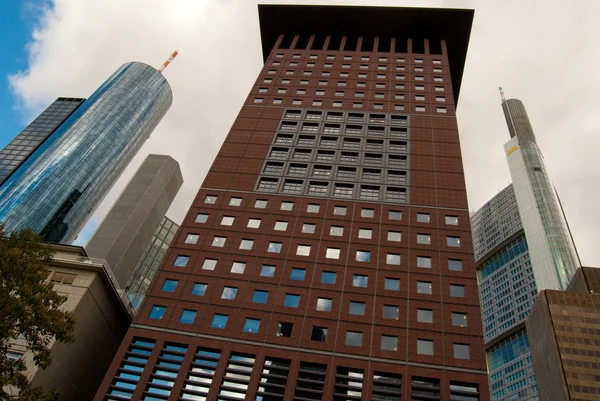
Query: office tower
[327, 255]
[138, 283]
[27, 142]
[564, 329]
[128, 227]
[55, 192]
[102, 319]
[507, 290]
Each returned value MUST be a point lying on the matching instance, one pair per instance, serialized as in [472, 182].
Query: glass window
[324, 304]
[274, 247]
[260, 204]
[336, 231]
[319, 334]
[170, 285]
[423, 218]
[360, 281]
[312, 208]
[287, 205]
[229, 293]
[246, 244]
[308, 228]
[157, 312]
[227, 220]
[389, 343]
[452, 220]
[365, 233]
[354, 338]
[303, 250]
[395, 215]
[367, 213]
[199, 289]
[297, 274]
[328, 277]
[238, 267]
[424, 239]
[455, 265]
[357, 308]
[390, 312]
[284, 329]
[219, 321]
[394, 236]
[424, 287]
[453, 241]
[267, 271]
[210, 199]
[459, 319]
[235, 201]
[424, 315]
[187, 316]
[181, 260]
[209, 264]
[425, 347]
[291, 300]
[280, 226]
[393, 259]
[219, 242]
[457, 291]
[201, 218]
[363, 256]
[332, 253]
[462, 351]
[251, 325]
[424, 262]
[339, 210]
[253, 223]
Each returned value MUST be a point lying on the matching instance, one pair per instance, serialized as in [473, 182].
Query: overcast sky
[544, 52]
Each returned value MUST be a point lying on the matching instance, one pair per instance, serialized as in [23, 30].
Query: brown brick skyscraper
[327, 254]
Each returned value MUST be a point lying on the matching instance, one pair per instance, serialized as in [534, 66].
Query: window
[274, 247]
[210, 199]
[317, 188]
[462, 351]
[219, 242]
[324, 304]
[349, 157]
[393, 259]
[424, 239]
[424, 262]
[284, 329]
[201, 218]
[277, 101]
[424, 287]
[423, 218]
[267, 184]
[169, 285]
[307, 73]
[187, 316]
[301, 154]
[199, 289]
[390, 312]
[219, 321]
[283, 139]
[354, 338]
[389, 343]
[452, 220]
[181, 261]
[394, 215]
[343, 190]
[453, 241]
[367, 213]
[394, 236]
[280, 226]
[332, 253]
[238, 267]
[365, 233]
[357, 105]
[253, 223]
[320, 93]
[227, 220]
[192, 238]
[267, 271]
[260, 204]
[438, 79]
[369, 192]
[312, 208]
[392, 284]
[291, 300]
[363, 256]
[328, 277]
[306, 140]
[303, 250]
[459, 319]
[285, 81]
[157, 312]
[304, 82]
[440, 99]
[287, 206]
[424, 316]
[457, 291]
[342, 83]
[339, 93]
[13, 355]
[420, 87]
[397, 176]
[297, 169]
[273, 167]
[360, 281]
[425, 347]
[229, 293]
[439, 89]
[251, 325]
[441, 109]
[297, 274]
[336, 231]
[339, 210]
[209, 264]
[267, 80]
[317, 102]
[455, 265]
[318, 334]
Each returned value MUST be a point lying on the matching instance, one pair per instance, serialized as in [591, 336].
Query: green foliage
[29, 309]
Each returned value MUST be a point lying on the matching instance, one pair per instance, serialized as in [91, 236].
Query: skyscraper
[27, 142]
[55, 191]
[128, 227]
[327, 255]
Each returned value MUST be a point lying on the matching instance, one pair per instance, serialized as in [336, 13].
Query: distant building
[128, 228]
[564, 331]
[55, 192]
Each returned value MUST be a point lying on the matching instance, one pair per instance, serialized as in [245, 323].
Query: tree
[29, 309]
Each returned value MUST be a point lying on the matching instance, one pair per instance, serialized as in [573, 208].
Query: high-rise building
[127, 229]
[138, 283]
[29, 140]
[56, 191]
[564, 329]
[327, 255]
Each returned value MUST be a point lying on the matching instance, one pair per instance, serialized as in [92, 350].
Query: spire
[502, 94]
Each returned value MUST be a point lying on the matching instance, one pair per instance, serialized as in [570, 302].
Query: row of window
[307, 154]
[362, 58]
[355, 105]
[359, 84]
[380, 67]
[377, 95]
[360, 75]
[335, 116]
[341, 172]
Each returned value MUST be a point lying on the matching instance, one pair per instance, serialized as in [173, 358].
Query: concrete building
[327, 255]
[102, 317]
[127, 230]
[564, 331]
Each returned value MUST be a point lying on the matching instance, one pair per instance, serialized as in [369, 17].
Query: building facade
[142, 275]
[29, 140]
[327, 255]
[128, 228]
[564, 328]
[55, 192]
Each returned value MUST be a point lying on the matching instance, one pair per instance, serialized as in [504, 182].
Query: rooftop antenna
[499, 88]
[162, 68]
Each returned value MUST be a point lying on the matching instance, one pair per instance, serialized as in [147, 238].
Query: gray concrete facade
[128, 228]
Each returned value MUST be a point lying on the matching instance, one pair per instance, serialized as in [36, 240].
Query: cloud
[540, 51]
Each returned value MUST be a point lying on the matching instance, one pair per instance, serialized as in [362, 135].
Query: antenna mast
[162, 68]
[501, 93]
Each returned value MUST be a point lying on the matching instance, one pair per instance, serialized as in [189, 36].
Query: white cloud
[542, 52]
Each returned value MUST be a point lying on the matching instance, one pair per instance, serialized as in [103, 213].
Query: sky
[543, 52]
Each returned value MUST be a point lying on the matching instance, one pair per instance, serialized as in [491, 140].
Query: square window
[367, 213]
[291, 300]
[395, 215]
[235, 201]
[354, 338]
[424, 347]
[246, 244]
[389, 343]
[332, 253]
[260, 204]
[360, 281]
[324, 304]
[424, 262]
[394, 236]
[229, 293]
[201, 218]
[365, 233]
[297, 274]
[287, 206]
[157, 312]
[312, 208]
[424, 239]
[319, 334]
[192, 238]
[274, 247]
[181, 261]
[199, 289]
[210, 199]
[424, 316]
[390, 312]
[363, 256]
[452, 220]
[393, 259]
[253, 223]
[339, 210]
[169, 285]
[227, 220]
[317, 102]
[280, 226]
[187, 316]
[357, 308]
[251, 325]
[260, 297]
[336, 231]
[328, 277]
[423, 218]
[459, 319]
[457, 291]
[462, 351]
[238, 267]
[424, 287]
[284, 329]
[303, 250]
[219, 321]
[267, 271]
[209, 264]
[392, 284]
[455, 265]
[453, 241]
[308, 228]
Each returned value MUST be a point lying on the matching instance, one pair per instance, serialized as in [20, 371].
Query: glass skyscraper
[58, 188]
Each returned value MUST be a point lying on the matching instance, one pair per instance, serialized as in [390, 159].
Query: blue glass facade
[55, 191]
